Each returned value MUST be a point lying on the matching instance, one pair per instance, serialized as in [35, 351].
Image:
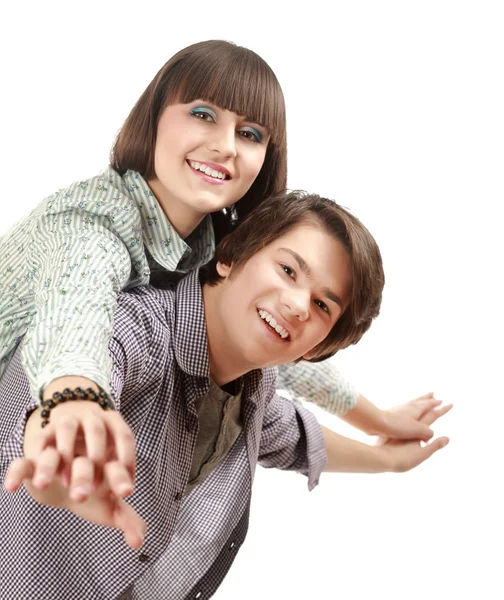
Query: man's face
[285, 299]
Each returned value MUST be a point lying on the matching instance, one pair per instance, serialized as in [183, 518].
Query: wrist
[385, 459]
[377, 422]
[71, 382]
[77, 394]
[367, 417]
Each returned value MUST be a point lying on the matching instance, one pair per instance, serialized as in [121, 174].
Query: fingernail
[124, 489]
[141, 534]
[40, 481]
[81, 491]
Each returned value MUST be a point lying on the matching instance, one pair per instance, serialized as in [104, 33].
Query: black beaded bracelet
[101, 398]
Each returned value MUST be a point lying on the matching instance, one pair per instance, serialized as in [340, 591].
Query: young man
[193, 378]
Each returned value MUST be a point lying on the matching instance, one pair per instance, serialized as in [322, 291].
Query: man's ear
[223, 269]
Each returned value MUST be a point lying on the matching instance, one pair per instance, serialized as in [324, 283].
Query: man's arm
[291, 439]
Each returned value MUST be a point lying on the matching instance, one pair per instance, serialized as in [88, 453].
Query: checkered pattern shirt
[160, 367]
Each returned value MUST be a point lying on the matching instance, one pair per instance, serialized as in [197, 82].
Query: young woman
[207, 136]
[208, 132]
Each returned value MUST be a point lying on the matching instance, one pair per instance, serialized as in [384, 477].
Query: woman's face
[206, 158]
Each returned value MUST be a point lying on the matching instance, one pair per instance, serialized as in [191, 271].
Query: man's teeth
[273, 324]
[207, 170]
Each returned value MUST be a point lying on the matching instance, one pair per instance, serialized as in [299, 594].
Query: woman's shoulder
[106, 193]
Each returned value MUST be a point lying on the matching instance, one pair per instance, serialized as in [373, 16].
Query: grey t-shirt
[220, 424]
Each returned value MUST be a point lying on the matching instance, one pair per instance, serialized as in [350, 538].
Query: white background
[396, 110]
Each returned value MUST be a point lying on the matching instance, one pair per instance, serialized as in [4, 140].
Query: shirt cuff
[13, 447]
[72, 365]
[315, 448]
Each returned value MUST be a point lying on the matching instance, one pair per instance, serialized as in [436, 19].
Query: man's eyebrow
[303, 265]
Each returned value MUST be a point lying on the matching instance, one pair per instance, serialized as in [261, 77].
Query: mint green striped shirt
[62, 267]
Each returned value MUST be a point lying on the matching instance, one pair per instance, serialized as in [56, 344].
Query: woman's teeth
[207, 170]
[273, 324]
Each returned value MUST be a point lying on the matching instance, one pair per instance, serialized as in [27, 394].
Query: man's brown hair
[229, 76]
[274, 218]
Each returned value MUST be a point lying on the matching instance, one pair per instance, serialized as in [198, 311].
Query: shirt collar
[163, 242]
[191, 345]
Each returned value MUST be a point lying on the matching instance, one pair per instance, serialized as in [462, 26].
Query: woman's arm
[322, 384]
[79, 268]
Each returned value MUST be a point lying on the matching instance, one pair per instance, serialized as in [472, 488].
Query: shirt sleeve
[291, 439]
[320, 383]
[78, 265]
[130, 349]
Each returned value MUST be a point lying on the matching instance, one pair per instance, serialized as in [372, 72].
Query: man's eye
[288, 270]
[322, 305]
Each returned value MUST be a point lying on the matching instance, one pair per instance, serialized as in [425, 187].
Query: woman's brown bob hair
[274, 218]
[233, 78]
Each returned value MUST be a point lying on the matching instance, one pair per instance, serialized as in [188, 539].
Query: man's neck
[226, 365]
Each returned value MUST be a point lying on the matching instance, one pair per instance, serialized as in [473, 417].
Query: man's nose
[297, 303]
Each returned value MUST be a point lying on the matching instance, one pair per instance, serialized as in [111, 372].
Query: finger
[46, 467]
[18, 470]
[433, 415]
[118, 478]
[65, 431]
[130, 523]
[422, 406]
[420, 431]
[428, 396]
[44, 439]
[95, 433]
[124, 441]
[82, 479]
[428, 450]
[66, 475]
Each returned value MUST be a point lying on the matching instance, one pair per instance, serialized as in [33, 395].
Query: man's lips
[274, 324]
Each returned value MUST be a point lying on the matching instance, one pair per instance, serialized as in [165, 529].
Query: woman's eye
[204, 114]
[249, 133]
[322, 305]
[288, 270]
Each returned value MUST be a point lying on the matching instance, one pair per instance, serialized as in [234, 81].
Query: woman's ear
[223, 269]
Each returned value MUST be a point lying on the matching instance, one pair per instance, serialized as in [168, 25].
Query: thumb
[130, 523]
[428, 450]
[421, 431]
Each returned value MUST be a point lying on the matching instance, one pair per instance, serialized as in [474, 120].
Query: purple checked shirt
[160, 367]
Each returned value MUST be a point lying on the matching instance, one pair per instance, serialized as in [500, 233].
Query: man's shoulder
[148, 299]
[145, 306]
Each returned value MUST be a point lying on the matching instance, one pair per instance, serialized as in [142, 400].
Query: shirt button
[143, 558]
[231, 545]
[198, 595]
[178, 496]
[190, 426]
